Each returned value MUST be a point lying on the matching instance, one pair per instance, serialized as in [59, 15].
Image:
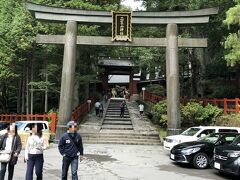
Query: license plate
[172, 156]
[217, 165]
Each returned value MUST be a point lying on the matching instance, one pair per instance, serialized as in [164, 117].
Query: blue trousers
[3, 171]
[74, 167]
[35, 160]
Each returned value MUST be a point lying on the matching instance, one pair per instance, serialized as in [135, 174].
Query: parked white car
[195, 133]
[26, 126]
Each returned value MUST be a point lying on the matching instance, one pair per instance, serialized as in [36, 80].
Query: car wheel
[200, 161]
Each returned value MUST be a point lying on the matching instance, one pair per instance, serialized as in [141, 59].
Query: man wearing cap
[71, 148]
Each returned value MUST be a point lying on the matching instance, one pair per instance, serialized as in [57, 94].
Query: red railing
[82, 109]
[27, 117]
[228, 105]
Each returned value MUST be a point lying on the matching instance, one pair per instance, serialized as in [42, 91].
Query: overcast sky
[133, 4]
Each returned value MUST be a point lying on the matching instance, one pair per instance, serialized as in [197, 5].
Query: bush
[98, 96]
[193, 114]
[228, 120]
[156, 89]
[229, 91]
[159, 112]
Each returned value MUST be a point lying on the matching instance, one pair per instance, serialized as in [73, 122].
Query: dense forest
[30, 73]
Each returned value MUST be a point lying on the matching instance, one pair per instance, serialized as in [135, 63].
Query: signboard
[121, 26]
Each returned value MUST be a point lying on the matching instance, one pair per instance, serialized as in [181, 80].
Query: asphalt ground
[121, 162]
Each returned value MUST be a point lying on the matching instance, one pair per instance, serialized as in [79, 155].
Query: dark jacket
[16, 148]
[67, 147]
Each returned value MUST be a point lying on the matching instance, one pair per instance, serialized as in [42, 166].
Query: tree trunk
[31, 91]
[19, 95]
[86, 87]
[46, 88]
[199, 55]
[23, 91]
[27, 89]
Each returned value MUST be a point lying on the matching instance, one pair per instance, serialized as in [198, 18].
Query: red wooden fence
[228, 105]
[76, 114]
[27, 117]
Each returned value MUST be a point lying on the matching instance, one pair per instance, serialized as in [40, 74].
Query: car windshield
[211, 138]
[190, 131]
[236, 141]
[19, 125]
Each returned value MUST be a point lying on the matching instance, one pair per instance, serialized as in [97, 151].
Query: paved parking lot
[122, 162]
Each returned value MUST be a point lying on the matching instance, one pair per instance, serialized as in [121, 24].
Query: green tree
[232, 43]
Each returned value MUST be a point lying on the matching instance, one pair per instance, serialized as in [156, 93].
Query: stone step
[122, 142]
[117, 122]
[116, 110]
[117, 115]
[117, 127]
[120, 120]
[121, 139]
[117, 118]
[123, 135]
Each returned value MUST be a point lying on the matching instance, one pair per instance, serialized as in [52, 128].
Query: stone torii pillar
[68, 72]
[173, 87]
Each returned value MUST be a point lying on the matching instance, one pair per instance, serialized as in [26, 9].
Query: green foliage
[17, 36]
[232, 43]
[159, 112]
[193, 114]
[156, 89]
[232, 119]
[98, 96]
[229, 91]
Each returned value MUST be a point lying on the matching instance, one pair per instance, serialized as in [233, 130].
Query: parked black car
[200, 153]
[227, 158]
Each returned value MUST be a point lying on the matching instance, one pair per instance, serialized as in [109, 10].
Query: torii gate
[171, 42]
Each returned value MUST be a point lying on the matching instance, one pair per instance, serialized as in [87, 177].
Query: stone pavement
[120, 162]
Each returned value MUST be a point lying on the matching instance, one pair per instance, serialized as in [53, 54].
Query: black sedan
[227, 158]
[199, 153]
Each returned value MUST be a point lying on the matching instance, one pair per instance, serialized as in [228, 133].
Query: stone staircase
[112, 119]
[113, 129]
[128, 138]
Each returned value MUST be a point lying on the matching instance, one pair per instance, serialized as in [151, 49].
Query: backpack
[122, 104]
[100, 107]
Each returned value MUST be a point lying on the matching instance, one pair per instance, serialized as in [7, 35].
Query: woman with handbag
[10, 144]
[36, 143]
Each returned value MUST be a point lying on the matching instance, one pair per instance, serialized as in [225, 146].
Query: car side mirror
[203, 135]
[27, 129]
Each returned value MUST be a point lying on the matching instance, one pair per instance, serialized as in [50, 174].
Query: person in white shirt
[35, 146]
[141, 109]
[97, 104]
